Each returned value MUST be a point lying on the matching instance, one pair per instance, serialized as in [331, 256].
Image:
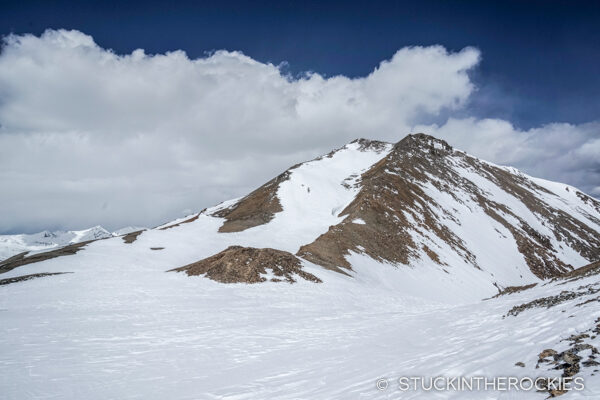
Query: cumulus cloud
[89, 137]
[558, 151]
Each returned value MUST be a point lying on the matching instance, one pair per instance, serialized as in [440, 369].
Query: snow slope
[120, 326]
[123, 328]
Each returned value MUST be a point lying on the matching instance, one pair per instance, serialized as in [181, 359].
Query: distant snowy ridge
[11, 245]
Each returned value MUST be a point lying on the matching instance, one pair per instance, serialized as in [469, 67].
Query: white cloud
[88, 136]
[558, 151]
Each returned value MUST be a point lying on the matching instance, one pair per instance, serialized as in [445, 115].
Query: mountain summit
[426, 202]
[422, 203]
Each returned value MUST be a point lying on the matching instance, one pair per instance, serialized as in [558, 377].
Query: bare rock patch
[24, 278]
[22, 259]
[238, 264]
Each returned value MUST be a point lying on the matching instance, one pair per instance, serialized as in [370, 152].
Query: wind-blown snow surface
[122, 327]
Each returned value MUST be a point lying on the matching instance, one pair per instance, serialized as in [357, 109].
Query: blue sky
[137, 113]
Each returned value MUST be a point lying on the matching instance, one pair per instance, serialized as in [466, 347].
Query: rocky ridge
[397, 209]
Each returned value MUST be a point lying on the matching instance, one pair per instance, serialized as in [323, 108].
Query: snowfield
[121, 327]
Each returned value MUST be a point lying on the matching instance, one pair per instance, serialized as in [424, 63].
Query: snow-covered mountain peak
[93, 233]
[47, 240]
[422, 204]
[425, 203]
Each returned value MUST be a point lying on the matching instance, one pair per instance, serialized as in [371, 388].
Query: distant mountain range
[11, 245]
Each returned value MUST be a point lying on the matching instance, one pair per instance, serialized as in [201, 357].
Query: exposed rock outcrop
[23, 259]
[257, 208]
[131, 237]
[238, 264]
[29, 277]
